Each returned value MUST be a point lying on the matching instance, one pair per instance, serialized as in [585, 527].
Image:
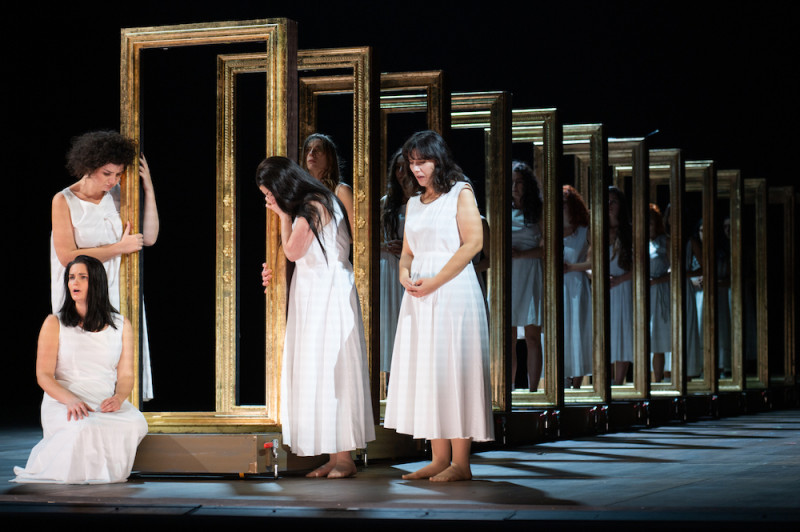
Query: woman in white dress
[84, 364]
[620, 284]
[526, 268]
[440, 387]
[326, 406]
[660, 310]
[321, 160]
[393, 213]
[86, 221]
[577, 290]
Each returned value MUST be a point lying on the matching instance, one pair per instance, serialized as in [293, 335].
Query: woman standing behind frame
[440, 387]
[321, 160]
[86, 221]
[620, 267]
[325, 402]
[526, 268]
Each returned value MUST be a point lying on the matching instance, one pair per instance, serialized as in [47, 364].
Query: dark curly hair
[531, 198]
[92, 150]
[578, 212]
[430, 145]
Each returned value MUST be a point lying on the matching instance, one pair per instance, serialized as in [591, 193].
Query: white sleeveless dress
[101, 447]
[577, 308]
[660, 313]
[391, 295]
[620, 319]
[326, 406]
[526, 273]
[440, 386]
[694, 319]
[95, 225]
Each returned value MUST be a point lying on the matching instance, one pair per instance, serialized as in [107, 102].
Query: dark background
[717, 81]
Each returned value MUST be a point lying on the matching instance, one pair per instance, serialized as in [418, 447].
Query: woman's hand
[130, 243]
[112, 404]
[395, 247]
[266, 276]
[421, 287]
[144, 174]
[77, 409]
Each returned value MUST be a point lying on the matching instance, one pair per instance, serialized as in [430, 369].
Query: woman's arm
[470, 228]
[296, 240]
[46, 360]
[124, 372]
[345, 194]
[150, 225]
[64, 238]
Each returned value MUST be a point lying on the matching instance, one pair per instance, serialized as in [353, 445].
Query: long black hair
[99, 311]
[430, 145]
[531, 198]
[294, 189]
[395, 198]
[624, 243]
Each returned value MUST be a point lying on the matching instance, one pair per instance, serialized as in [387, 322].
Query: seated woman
[84, 364]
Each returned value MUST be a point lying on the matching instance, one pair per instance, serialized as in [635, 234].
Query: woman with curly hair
[526, 268]
[440, 388]
[85, 215]
[320, 159]
[577, 291]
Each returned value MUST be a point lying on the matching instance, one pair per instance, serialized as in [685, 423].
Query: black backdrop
[716, 82]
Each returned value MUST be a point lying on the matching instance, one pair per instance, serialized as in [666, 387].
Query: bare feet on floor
[432, 469]
[453, 473]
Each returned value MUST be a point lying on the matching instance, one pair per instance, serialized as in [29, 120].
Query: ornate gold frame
[541, 127]
[731, 185]
[363, 85]
[633, 154]
[279, 37]
[469, 112]
[785, 196]
[701, 176]
[589, 143]
[755, 191]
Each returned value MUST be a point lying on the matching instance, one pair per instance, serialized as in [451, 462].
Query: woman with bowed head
[325, 401]
[86, 220]
[440, 388]
[321, 160]
[577, 292]
[84, 364]
[526, 267]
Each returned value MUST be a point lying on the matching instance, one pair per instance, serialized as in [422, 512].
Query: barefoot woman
[439, 388]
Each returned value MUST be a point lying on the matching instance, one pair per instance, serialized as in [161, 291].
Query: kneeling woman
[325, 402]
[84, 364]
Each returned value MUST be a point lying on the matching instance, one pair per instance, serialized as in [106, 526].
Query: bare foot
[434, 468]
[343, 470]
[453, 473]
[322, 471]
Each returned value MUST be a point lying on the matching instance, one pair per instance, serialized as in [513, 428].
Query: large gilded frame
[542, 129]
[701, 177]
[468, 111]
[634, 154]
[785, 198]
[589, 144]
[756, 192]
[730, 185]
[363, 85]
[279, 38]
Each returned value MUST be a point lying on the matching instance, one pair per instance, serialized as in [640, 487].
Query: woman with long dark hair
[325, 401]
[321, 160]
[526, 268]
[440, 388]
[660, 306]
[84, 365]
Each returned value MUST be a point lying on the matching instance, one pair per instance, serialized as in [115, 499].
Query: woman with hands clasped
[440, 388]
[325, 401]
[84, 364]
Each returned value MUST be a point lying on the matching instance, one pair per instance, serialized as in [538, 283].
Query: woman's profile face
[107, 176]
[78, 282]
[316, 158]
[517, 189]
[613, 206]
